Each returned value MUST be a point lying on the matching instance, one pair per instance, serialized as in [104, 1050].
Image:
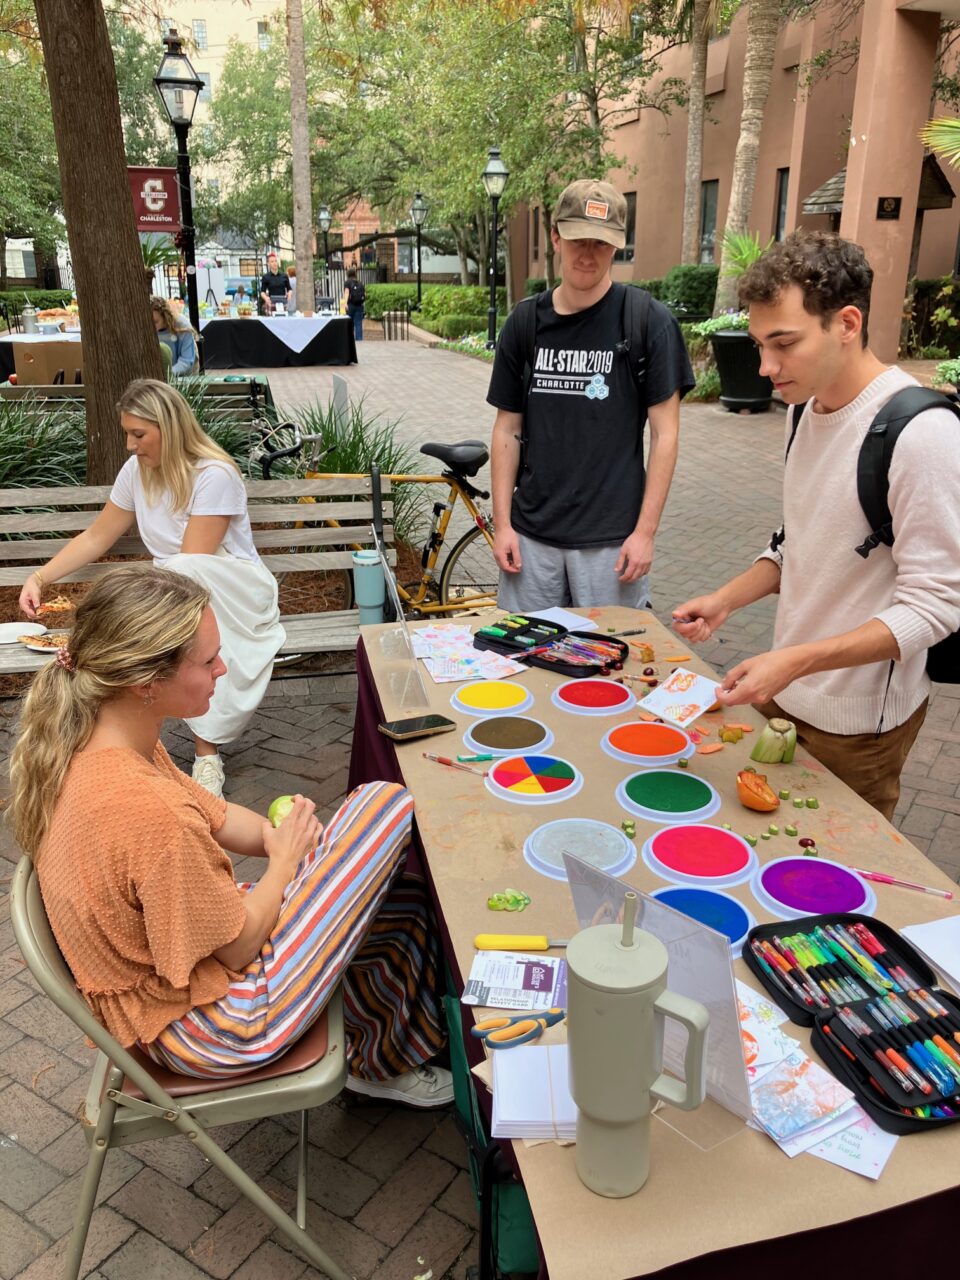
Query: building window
[626, 253]
[709, 192]
[536, 233]
[200, 32]
[263, 35]
[780, 221]
[166, 25]
[206, 93]
[248, 266]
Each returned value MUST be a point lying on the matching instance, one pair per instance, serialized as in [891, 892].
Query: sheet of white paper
[681, 698]
[939, 941]
[863, 1148]
[564, 618]
[700, 967]
[531, 1093]
[821, 1132]
[761, 1006]
[516, 980]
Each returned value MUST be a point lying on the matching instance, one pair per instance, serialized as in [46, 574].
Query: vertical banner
[156, 198]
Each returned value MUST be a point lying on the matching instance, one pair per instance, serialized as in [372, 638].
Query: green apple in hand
[279, 809]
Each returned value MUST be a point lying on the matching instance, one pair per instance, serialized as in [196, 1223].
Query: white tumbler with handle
[617, 1001]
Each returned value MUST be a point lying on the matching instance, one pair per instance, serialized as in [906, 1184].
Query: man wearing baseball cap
[579, 371]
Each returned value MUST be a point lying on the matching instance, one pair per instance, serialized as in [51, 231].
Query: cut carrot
[675, 657]
[747, 728]
[709, 749]
[702, 728]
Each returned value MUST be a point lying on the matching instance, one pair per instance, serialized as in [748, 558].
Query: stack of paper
[939, 943]
[531, 1093]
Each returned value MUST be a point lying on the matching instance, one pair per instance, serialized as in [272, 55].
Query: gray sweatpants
[580, 577]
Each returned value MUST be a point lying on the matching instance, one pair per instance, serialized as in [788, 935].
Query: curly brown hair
[832, 273]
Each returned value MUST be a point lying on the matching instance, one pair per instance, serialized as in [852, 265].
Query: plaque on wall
[888, 208]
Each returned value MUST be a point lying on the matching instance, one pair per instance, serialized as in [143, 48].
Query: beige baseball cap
[591, 210]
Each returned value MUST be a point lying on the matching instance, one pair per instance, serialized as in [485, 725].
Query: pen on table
[452, 764]
[516, 942]
[881, 878]
[473, 759]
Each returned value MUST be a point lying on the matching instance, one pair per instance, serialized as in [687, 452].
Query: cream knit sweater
[826, 588]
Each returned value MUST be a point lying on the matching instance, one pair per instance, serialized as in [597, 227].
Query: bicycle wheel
[469, 570]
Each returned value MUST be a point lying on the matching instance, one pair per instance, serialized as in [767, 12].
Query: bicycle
[468, 578]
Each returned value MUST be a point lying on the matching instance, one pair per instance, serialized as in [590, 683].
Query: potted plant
[742, 387]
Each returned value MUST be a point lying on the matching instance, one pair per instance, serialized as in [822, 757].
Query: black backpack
[357, 291]
[873, 486]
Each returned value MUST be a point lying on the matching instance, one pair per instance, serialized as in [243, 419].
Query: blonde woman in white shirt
[190, 506]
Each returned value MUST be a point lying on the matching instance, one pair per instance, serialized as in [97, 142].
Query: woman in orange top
[211, 977]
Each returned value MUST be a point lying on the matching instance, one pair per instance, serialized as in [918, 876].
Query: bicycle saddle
[466, 458]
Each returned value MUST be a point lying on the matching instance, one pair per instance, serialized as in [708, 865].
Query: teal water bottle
[369, 586]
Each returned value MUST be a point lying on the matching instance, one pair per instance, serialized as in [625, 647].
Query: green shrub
[653, 287]
[534, 284]
[716, 324]
[41, 298]
[698, 347]
[388, 297]
[459, 300]
[934, 317]
[39, 448]
[475, 344]
[707, 386]
[452, 327]
[690, 289]
[947, 374]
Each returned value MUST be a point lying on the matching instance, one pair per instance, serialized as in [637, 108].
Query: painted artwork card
[682, 698]
[862, 1148]
[797, 1093]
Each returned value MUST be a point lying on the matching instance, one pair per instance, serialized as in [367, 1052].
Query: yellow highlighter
[516, 942]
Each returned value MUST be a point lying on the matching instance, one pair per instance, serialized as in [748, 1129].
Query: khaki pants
[869, 764]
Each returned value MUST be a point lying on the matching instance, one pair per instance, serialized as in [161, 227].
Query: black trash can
[742, 387]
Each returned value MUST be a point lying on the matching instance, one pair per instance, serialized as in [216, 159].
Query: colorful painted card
[682, 698]
[796, 1094]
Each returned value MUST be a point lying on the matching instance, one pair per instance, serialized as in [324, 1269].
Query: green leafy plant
[459, 300]
[721, 324]
[475, 344]
[655, 288]
[534, 284]
[388, 297]
[707, 386]
[741, 249]
[689, 289]
[40, 298]
[947, 373]
[159, 251]
[40, 447]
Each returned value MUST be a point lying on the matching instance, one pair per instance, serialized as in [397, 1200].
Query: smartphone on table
[415, 727]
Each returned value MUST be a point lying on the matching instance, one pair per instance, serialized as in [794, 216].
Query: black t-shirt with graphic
[582, 474]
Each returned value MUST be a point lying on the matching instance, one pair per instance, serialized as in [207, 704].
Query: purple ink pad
[795, 887]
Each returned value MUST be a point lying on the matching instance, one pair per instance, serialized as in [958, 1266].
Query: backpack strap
[876, 452]
[634, 314]
[524, 315]
[794, 413]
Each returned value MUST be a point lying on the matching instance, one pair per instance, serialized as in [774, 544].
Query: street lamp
[323, 222]
[179, 87]
[418, 212]
[494, 177]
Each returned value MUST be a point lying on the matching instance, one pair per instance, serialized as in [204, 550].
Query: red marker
[454, 764]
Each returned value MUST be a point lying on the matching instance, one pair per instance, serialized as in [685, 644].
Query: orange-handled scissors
[517, 1028]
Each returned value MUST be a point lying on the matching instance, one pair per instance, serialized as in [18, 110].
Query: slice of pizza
[52, 640]
[59, 604]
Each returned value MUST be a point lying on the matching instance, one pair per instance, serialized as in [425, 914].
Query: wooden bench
[242, 404]
[36, 523]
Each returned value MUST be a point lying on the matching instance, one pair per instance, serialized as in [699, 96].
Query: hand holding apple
[292, 833]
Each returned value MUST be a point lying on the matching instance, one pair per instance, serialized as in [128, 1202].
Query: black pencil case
[514, 644]
[851, 1056]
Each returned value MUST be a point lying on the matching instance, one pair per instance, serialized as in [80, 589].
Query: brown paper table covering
[702, 1213]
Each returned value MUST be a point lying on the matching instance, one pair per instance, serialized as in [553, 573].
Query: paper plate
[701, 855]
[533, 779]
[719, 911]
[797, 886]
[491, 698]
[593, 697]
[10, 632]
[645, 744]
[507, 735]
[668, 795]
[601, 845]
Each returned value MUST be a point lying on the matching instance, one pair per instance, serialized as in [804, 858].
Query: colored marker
[465, 759]
[881, 878]
[452, 764]
[892, 1063]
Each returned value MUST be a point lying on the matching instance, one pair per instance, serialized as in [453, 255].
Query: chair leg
[91, 1178]
[302, 1174]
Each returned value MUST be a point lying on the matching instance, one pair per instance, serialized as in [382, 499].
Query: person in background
[292, 288]
[240, 295]
[190, 507]
[274, 286]
[210, 977]
[354, 296]
[178, 335]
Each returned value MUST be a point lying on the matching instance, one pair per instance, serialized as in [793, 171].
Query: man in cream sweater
[841, 619]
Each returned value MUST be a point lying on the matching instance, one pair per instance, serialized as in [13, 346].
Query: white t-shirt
[217, 491]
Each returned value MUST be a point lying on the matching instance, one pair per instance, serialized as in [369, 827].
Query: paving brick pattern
[387, 1186]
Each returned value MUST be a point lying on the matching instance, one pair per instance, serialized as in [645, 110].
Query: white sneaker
[421, 1087]
[208, 771]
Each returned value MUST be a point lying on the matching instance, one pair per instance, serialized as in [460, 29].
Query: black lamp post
[494, 177]
[418, 212]
[323, 222]
[179, 87]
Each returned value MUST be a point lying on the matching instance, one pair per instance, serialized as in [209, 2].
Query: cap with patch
[591, 210]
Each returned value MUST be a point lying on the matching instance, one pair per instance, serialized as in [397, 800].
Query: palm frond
[942, 136]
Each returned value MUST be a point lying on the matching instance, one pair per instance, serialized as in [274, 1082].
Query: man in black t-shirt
[575, 513]
[274, 286]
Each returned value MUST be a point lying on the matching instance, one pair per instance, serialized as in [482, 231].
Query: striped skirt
[349, 914]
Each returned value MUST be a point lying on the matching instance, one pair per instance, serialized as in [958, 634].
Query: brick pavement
[387, 1186]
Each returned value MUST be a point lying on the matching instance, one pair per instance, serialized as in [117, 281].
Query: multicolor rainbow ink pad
[534, 779]
[701, 855]
[796, 886]
[593, 697]
[668, 795]
[645, 744]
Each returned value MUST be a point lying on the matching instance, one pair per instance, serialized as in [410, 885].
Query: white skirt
[243, 596]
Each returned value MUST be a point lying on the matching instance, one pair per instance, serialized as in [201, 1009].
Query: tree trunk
[762, 22]
[549, 259]
[508, 279]
[119, 340]
[463, 251]
[693, 177]
[300, 139]
[3, 262]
